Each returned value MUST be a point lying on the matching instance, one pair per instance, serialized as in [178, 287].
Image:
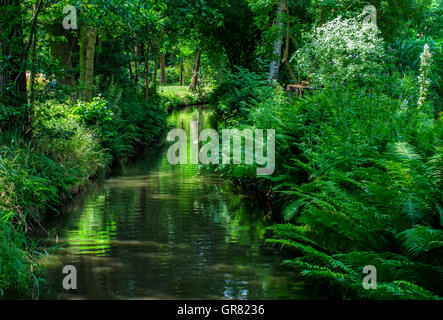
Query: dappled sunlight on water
[157, 231]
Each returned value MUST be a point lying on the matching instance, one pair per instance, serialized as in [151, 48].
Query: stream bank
[156, 231]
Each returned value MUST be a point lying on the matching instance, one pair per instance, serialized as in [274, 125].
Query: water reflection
[157, 231]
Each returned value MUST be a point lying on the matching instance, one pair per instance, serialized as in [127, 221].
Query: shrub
[172, 74]
[34, 176]
[360, 176]
[385, 214]
[233, 97]
[342, 50]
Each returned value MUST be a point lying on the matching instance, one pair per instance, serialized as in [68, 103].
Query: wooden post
[298, 89]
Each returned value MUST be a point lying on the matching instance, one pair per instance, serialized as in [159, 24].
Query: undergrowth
[358, 178]
[71, 142]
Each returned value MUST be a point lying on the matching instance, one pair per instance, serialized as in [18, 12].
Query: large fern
[379, 215]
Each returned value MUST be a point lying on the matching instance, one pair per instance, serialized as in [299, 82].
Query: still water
[157, 231]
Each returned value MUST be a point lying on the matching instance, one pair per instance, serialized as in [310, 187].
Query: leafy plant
[342, 50]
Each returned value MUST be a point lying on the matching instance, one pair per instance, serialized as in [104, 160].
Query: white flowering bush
[425, 71]
[342, 50]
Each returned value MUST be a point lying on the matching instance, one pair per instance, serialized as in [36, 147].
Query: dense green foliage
[370, 195]
[72, 143]
[341, 50]
[66, 118]
[359, 160]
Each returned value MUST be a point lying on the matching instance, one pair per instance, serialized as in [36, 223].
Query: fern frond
[419, 240]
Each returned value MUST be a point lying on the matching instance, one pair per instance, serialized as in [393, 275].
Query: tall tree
[155, 50]
[13, 52]
[288, 37]
[63, 44]
[88, 37]
[138, 54]
[194, 81]
[147, 72]
[275, 63]
[181, 71]
[162, 69]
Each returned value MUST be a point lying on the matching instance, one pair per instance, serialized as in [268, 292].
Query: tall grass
[71, 143]
[16, 273]
[34, 177]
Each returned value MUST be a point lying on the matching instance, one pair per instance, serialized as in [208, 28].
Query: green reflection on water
[157, 231]
[92, 234]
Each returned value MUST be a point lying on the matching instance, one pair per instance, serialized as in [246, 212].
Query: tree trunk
[288, 36]
[33, 71]
[181, 71]
[275, 64]
[147, 73]
[136, 77]
[88, 36]
[162, 68]
[131, 76]
[62, 50]
[139, 53]
[14, 52]
[155, 71]
[193, 85]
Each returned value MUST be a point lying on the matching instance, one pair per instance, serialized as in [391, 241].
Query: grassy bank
[71, 143]
[174, 97]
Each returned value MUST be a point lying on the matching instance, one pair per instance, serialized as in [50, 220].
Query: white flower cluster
[341, 50]
[424, 77]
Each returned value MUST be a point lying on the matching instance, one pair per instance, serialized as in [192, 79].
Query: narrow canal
[157, 231]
